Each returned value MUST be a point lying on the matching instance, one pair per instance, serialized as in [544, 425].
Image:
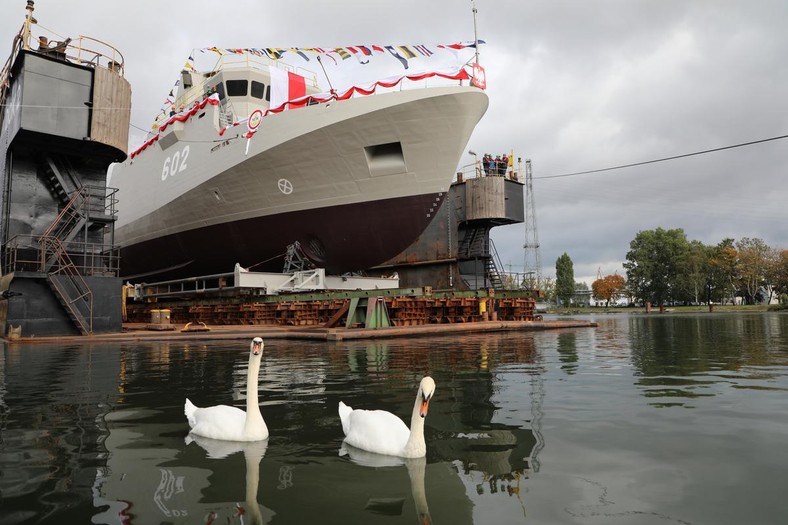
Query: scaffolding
[532, 262]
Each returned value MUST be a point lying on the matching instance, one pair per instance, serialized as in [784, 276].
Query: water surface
[644, 419]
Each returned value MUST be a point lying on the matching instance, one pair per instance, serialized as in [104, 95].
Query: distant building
[581, 298]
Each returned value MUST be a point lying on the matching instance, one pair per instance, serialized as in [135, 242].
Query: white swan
[382, 432]
[231, 423]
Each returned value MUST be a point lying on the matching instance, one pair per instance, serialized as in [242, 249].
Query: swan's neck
[252, 481]
[252, 405]
[416, 468]
[416, 447]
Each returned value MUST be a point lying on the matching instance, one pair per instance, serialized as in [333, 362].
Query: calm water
[644, 419]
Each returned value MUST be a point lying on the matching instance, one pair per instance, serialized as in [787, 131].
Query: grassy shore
[671, 309]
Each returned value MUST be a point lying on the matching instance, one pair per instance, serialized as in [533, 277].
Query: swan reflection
[416, 470]
[253, 453]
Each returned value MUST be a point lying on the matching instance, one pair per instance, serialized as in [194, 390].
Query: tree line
[664, 267]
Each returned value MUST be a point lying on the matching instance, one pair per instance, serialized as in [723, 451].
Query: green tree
[696, 272]
[564, 280]
[548, 289]
[654, 264]
[723, 271]
[753, 264]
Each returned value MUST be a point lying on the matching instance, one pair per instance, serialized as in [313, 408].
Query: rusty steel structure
[331, 310]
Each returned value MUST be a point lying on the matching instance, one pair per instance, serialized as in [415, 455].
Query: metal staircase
[476, 244]
[69, 286]
[494, 268]
[85, 210]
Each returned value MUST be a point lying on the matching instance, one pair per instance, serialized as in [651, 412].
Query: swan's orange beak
[425, 405]
[257, 347]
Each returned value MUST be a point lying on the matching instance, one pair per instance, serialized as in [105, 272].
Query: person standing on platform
[487, 162]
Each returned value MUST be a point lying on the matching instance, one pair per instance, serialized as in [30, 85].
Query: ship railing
[84, 50]
[28, 253]
[476, 170]
[226, 114]
[90, 51]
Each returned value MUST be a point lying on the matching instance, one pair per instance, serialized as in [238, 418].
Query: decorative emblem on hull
[285, 186]
[254, 120]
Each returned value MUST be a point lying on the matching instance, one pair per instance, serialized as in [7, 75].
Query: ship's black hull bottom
[340, 239]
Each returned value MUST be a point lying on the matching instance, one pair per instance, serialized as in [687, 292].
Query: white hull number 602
[175, 163]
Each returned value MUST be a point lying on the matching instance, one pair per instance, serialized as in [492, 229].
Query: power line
[662, 159]
[139, 128]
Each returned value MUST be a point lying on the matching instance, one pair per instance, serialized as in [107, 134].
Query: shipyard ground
[139, 332]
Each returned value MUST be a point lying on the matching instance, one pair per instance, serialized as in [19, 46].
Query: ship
[253, 163]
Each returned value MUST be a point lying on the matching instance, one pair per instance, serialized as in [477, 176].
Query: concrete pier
[140, 332]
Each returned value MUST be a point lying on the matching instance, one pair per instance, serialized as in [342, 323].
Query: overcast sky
[573, 86]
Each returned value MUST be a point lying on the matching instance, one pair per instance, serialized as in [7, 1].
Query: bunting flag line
[361, 53]
[406, 51]
[423, 50]
[397, 56]
[343, 54]
[402, 52]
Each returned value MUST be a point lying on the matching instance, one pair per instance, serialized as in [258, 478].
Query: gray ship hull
[354, 182]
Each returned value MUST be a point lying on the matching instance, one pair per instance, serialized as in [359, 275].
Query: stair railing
[495, 267]
[82, 292]
[68, 218]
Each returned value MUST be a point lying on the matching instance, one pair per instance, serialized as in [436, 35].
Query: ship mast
[475, 34]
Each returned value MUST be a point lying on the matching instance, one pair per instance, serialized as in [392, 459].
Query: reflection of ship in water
[492, 456]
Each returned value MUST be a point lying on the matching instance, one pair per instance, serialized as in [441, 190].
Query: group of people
[495, 166]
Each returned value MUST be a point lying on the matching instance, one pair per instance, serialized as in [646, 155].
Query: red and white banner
[285, 86]
[479, 78]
